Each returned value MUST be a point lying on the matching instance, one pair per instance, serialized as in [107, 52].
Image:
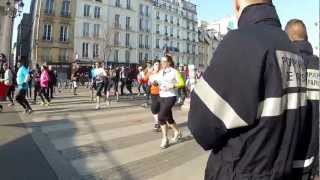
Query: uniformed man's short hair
[296, 29]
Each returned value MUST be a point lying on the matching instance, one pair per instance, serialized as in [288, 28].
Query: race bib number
[292, 68]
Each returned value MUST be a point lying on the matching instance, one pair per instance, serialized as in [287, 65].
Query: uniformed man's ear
[237, 8]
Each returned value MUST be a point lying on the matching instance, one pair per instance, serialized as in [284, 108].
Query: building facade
[5, 29]
[23, 43]
[53, 33]
[132, 31]
[208, 43]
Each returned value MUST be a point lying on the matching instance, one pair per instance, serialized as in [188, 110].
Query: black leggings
[165, 112]
[44, 94]
[155, 104]
[21, 99]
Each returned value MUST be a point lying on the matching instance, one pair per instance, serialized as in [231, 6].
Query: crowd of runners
[160, 83]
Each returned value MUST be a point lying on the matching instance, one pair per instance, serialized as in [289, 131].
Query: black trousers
[44, 94]
[51, 90]
[21, 99]
[36, 92]
[165, 112]
[128, 84]
[10, 93]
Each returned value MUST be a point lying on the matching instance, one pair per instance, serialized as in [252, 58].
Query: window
[116, 38]
[147, 10]
[158, 43]
[178, 22]
[65, 8]
[166, 18]
[128, 23]
[178, 46]
[171, 31]
[140, 41]
[85, 30]
[147, 42]
[117, 21]
[63, 55]
[140, 57]
[146, 56]
[97, 12]
[95, 50]
[127, 56]
[47, 32]
[116, 55]
[86, 10]
[171, 19]
[49, 7]
[117, 3]
[127, 40]
[147, 25]
[141, 24]
[64, 33]
[128, 4]
[85, 47]
[96, 30]
[166, 30]
[178, 32]
[158, 28]
[158, 15]
[141, 9]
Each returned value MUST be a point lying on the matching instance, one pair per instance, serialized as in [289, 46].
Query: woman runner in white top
[168, 80]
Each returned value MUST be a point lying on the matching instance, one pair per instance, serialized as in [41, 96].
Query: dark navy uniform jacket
[250, 103]
[308, 145]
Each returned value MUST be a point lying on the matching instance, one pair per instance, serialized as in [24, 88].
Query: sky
[211, 10]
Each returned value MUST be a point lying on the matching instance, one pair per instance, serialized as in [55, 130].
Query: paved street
[116, 142]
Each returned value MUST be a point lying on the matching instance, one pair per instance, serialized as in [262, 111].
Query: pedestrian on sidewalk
[249, 106]
[8, 82]
[169, 80]
[22, 79]
[100, 75]
[308, 145]
[36, 83]
[52, 81]
[44, 85]
[155, 91]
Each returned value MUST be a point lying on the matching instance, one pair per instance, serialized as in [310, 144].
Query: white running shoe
[97, 107]
[177, 137]
[164, 143]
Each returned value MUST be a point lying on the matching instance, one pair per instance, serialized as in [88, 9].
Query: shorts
[99, 89]
[165, 113]
[155, 104]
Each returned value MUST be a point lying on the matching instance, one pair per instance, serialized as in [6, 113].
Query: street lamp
[12, 11]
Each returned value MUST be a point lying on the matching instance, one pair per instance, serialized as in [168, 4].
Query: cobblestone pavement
[114, 143]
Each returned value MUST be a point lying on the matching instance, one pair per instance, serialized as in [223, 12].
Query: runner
[169, 80]
[44, 86]
[113, 82]
[100, 76]
[154, 91]
[22, 79]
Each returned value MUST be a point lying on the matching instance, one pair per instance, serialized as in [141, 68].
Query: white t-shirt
[100, 75]
[166, 79]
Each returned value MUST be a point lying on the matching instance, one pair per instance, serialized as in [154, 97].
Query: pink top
[44, 79]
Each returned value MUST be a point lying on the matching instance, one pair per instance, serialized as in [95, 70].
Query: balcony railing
[65, 14]
[63, 58]
[49, 12]
[117, 25]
